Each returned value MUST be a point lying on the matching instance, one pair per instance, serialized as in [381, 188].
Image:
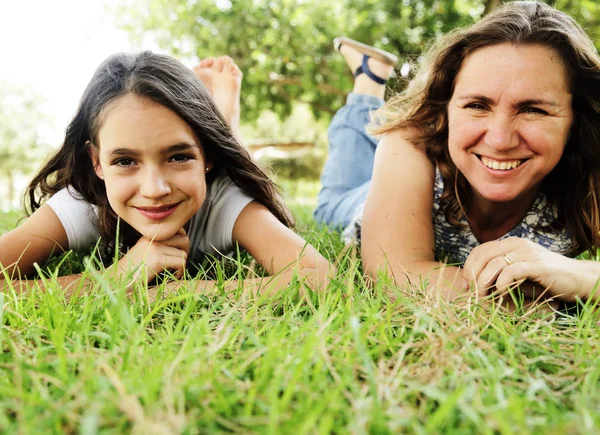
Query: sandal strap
[364, 68]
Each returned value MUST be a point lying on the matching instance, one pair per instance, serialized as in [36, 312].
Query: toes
[218, 64]
[207, 62]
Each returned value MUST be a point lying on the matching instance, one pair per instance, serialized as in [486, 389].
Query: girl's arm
[43, 234]
[276, 248]
[34, 241]
[397, 229]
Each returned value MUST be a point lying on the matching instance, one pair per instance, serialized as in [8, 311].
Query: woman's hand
[147, 258]
[500, 265]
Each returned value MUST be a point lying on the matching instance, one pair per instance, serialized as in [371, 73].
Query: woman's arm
[397, 229]
[500, 265]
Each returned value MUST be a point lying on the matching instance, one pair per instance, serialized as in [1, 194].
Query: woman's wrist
[586, 274]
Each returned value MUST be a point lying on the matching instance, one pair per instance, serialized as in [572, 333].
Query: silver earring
[207, 169]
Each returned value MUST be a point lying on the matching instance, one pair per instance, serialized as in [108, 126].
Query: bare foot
[226, 89]
[362, 83]
[204, 72]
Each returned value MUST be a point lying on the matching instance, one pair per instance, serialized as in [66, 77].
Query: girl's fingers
[178, 241]
[179, 273]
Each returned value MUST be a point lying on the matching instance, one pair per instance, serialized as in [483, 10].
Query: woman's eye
[181, 158]
[534, 110]
[475, 106]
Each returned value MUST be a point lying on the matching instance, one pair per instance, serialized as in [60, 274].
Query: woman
[490, 160]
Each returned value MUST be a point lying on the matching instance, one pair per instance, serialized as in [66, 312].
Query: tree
[20, 145]
[284, 46]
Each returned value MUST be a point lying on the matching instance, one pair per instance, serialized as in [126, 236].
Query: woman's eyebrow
[477, 97]
[529, 102]
[537, 102]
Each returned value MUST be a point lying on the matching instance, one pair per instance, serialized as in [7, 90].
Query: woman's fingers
[489, 274]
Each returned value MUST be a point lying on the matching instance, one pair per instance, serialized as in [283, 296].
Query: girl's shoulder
[211, 228]
[78, 217]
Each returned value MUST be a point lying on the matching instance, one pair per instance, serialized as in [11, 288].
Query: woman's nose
[501, 134]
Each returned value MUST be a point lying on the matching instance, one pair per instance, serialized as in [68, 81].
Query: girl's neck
[491, 220]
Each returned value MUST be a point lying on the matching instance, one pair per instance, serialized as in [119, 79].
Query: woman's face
[152, 164]
[509, 120]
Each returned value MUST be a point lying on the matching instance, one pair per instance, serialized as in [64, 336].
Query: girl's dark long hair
[574, 184]
[169, 83]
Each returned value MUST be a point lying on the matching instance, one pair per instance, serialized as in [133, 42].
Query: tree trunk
[11, 189]
[490, 5]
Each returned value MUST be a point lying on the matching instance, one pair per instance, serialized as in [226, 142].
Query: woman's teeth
[503, 166]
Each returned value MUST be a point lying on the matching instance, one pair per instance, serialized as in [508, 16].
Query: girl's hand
[498, 266]
[148, 257]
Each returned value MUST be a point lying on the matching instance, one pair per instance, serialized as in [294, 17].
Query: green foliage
[284, 47]
[21, 149]
[294, 166]
[20, 120]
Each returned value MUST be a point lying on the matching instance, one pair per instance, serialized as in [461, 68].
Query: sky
[54, 46]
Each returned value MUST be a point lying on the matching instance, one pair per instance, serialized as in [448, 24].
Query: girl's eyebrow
[180, 147]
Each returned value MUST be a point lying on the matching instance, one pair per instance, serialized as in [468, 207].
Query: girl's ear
[95, 158]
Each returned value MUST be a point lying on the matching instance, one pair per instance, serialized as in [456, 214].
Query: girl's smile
[152, 165]
[158, 213]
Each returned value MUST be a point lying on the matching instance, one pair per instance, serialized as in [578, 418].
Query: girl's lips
[158, 213]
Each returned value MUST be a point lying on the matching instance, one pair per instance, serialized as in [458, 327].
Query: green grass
[347, 361]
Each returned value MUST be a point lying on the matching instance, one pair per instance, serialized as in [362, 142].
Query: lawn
[346, 361]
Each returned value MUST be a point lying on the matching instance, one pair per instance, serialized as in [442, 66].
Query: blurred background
[293, 80]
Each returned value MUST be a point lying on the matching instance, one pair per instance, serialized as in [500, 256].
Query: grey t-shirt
[210, 230]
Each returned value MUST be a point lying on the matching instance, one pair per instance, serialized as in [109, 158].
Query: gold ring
[507, 259]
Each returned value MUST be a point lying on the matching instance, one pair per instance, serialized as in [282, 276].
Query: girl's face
[509, 120]
[152, 164]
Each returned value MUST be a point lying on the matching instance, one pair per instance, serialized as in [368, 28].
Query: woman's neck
[491, 220]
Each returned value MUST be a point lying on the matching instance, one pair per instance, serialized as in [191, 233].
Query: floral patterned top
[453, 244]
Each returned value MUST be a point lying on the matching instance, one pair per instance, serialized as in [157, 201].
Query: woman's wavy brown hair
[574, 184]
[169, 83]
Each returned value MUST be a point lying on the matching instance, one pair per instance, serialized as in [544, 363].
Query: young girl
[149, 153]
[490, 159]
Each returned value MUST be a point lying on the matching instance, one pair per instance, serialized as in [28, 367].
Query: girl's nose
[153, 184]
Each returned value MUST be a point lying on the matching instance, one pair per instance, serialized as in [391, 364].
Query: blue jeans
[347, 173]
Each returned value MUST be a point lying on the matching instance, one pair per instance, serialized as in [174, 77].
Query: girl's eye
[181, 158]
[124, 163]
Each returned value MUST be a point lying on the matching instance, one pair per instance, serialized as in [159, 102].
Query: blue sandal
[367, 52]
